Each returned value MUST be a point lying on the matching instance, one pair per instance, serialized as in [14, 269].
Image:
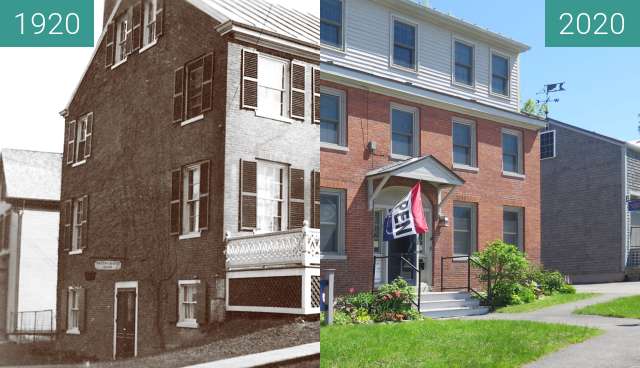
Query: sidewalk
[266, 358]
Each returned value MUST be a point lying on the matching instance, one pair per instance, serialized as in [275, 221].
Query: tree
[532, 107]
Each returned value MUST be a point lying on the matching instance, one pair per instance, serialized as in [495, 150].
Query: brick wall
[368, 120]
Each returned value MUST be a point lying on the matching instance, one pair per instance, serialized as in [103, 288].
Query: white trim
[124, 285]
[119, 63]
[474, 169]
[520, 212]
[186, 323]
[473, 241]
[333, 257]
[503, 55]
[474, 144]
[340, 225]
[342, 117]
[147, 47]
[415, 139]
[415, 25]
[333, 147]
[518, 135]
[283, 119]
[76, 164]
[510, 174]
[73, 331]
[456, 39]
[343, 28]
[192, 120]
[75, 252]
[190, 236]
[553, 132]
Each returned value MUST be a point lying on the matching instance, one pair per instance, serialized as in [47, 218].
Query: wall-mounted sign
[633, 205]
[108, 265]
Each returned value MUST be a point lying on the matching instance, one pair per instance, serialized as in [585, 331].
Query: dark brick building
[191, 134]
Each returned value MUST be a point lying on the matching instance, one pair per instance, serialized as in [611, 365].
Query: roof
[31, 174]
[427, 168]
[260, 14]
[587, 132]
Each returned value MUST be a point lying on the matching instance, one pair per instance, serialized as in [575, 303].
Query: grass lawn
[627, 307]
[445, 343]
[546, 302]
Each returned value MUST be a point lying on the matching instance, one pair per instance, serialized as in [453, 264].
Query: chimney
[108, 8]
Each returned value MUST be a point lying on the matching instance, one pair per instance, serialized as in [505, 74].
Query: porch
[274, 273]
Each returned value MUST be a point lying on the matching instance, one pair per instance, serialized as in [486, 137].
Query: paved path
[617, 347]
[267, 358]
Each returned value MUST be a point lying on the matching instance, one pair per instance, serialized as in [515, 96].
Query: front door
[125, 323]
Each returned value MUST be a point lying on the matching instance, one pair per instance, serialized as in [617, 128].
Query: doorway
[125, 344]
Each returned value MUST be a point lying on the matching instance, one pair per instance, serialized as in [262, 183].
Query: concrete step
[454, 312]
[447, 295]
[449, 303]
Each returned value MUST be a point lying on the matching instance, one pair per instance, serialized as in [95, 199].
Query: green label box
[46, 23]
[592, 23]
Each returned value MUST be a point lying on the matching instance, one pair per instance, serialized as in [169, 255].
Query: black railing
[402, 261]
[488, 298]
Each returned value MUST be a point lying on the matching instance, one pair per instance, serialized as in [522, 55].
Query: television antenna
[547, 91]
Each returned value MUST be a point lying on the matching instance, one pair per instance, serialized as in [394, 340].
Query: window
[332, 119]
[123, 36]
[81, 139]
[188, 296]
[73, 324]
[79, 221]
[272, 189]
[403, 126]
[331, 23]
[511, 151]
[464, 228]
[404, 44]
[499, 75]
[79, 136]
[189, 206]
[271, 86]
[463, 65]
[548, 144]
[512, 226]
[331, 222]
[193, 90]
[464, 142]
[191, 200]
[150, 15]
[635, 228]
[195, 78]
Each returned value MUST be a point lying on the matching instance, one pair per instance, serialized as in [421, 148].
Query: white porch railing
[299, 247]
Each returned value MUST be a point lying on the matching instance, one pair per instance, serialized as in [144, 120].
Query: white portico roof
[426, 168]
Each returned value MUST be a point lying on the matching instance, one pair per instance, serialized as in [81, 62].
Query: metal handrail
[488, 298]
[416, 269]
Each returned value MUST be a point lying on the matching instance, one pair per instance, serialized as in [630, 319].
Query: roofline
[407, 163]
[28, 150]
[588, 132]
[414, 9]
[409, 91]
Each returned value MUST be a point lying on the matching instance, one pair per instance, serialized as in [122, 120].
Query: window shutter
[204, 195]
[110, 47]
[82, 310]
[129, 40]
[137, 26]
[175, 204]
[172, 303]
[201, 303]
[207, 83]
[71, 143]
[296, 198]
[315, 199]
[249, 79]
[178, 95]
[85, 221]
[298, 89]
[248, 195]
[316, 96]
[64, 308]
[89, 136]
[160, 18]
[67, 214]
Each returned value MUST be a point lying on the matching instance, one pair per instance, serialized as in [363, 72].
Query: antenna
[547, 90]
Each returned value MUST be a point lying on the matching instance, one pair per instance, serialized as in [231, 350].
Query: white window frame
[473, 148]
[553, 132]
[341, 47]
[474, 60]
[393, 19]
[284, 201]
[340, 254]
[121, 54]
[149, 17]
[284, 92]
[473, 236]
[518, 134]
[186, 220]
[520, 212]
[509, 66]
[182, 321]
[81, 130]
[73, 299]
[416, 124]
[76, 231]
[342, 117]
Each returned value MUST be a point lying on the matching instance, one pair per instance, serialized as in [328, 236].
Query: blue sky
[602, 83]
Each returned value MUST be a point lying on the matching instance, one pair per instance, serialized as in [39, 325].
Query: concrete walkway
[267, 358]
[618, 346]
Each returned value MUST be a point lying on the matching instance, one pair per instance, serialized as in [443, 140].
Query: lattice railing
[294, 247]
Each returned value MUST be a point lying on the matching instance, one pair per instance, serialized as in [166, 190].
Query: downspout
[625, 216]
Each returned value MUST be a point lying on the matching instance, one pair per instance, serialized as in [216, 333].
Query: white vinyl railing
[294, 247]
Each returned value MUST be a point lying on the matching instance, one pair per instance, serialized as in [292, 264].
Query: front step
[454, 312]
[450, 304]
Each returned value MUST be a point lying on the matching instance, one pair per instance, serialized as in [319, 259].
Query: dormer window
[499, 75]
[463, 63]
[404, 44]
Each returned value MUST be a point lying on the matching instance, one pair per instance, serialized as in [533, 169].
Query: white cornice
[263, 38]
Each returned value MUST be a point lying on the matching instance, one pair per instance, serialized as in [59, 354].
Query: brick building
[411, 94]
[191, 161]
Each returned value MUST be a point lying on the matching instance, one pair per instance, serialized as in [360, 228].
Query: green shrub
[341, 318]
[362, 300]
[507, 268]
[526, 294]
[550, 282]
[362, 316]
[567, 289]
[393, 300]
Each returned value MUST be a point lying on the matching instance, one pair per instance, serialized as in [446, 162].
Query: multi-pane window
[188, 296]
[74, 310]
[464, 228]
[511, 151]
[81, 138]
[271, 86]
[332, 117]
[403, 123]
[272, 179]
[150, 15]
[512, 226]
[331, 222]
[464, 143]
[78, 222]
[195, 79]
[499, 75]
[463, 63]
[331, 22]
[404, 44]
[124, 28]
[191, 200]
[548, 144]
